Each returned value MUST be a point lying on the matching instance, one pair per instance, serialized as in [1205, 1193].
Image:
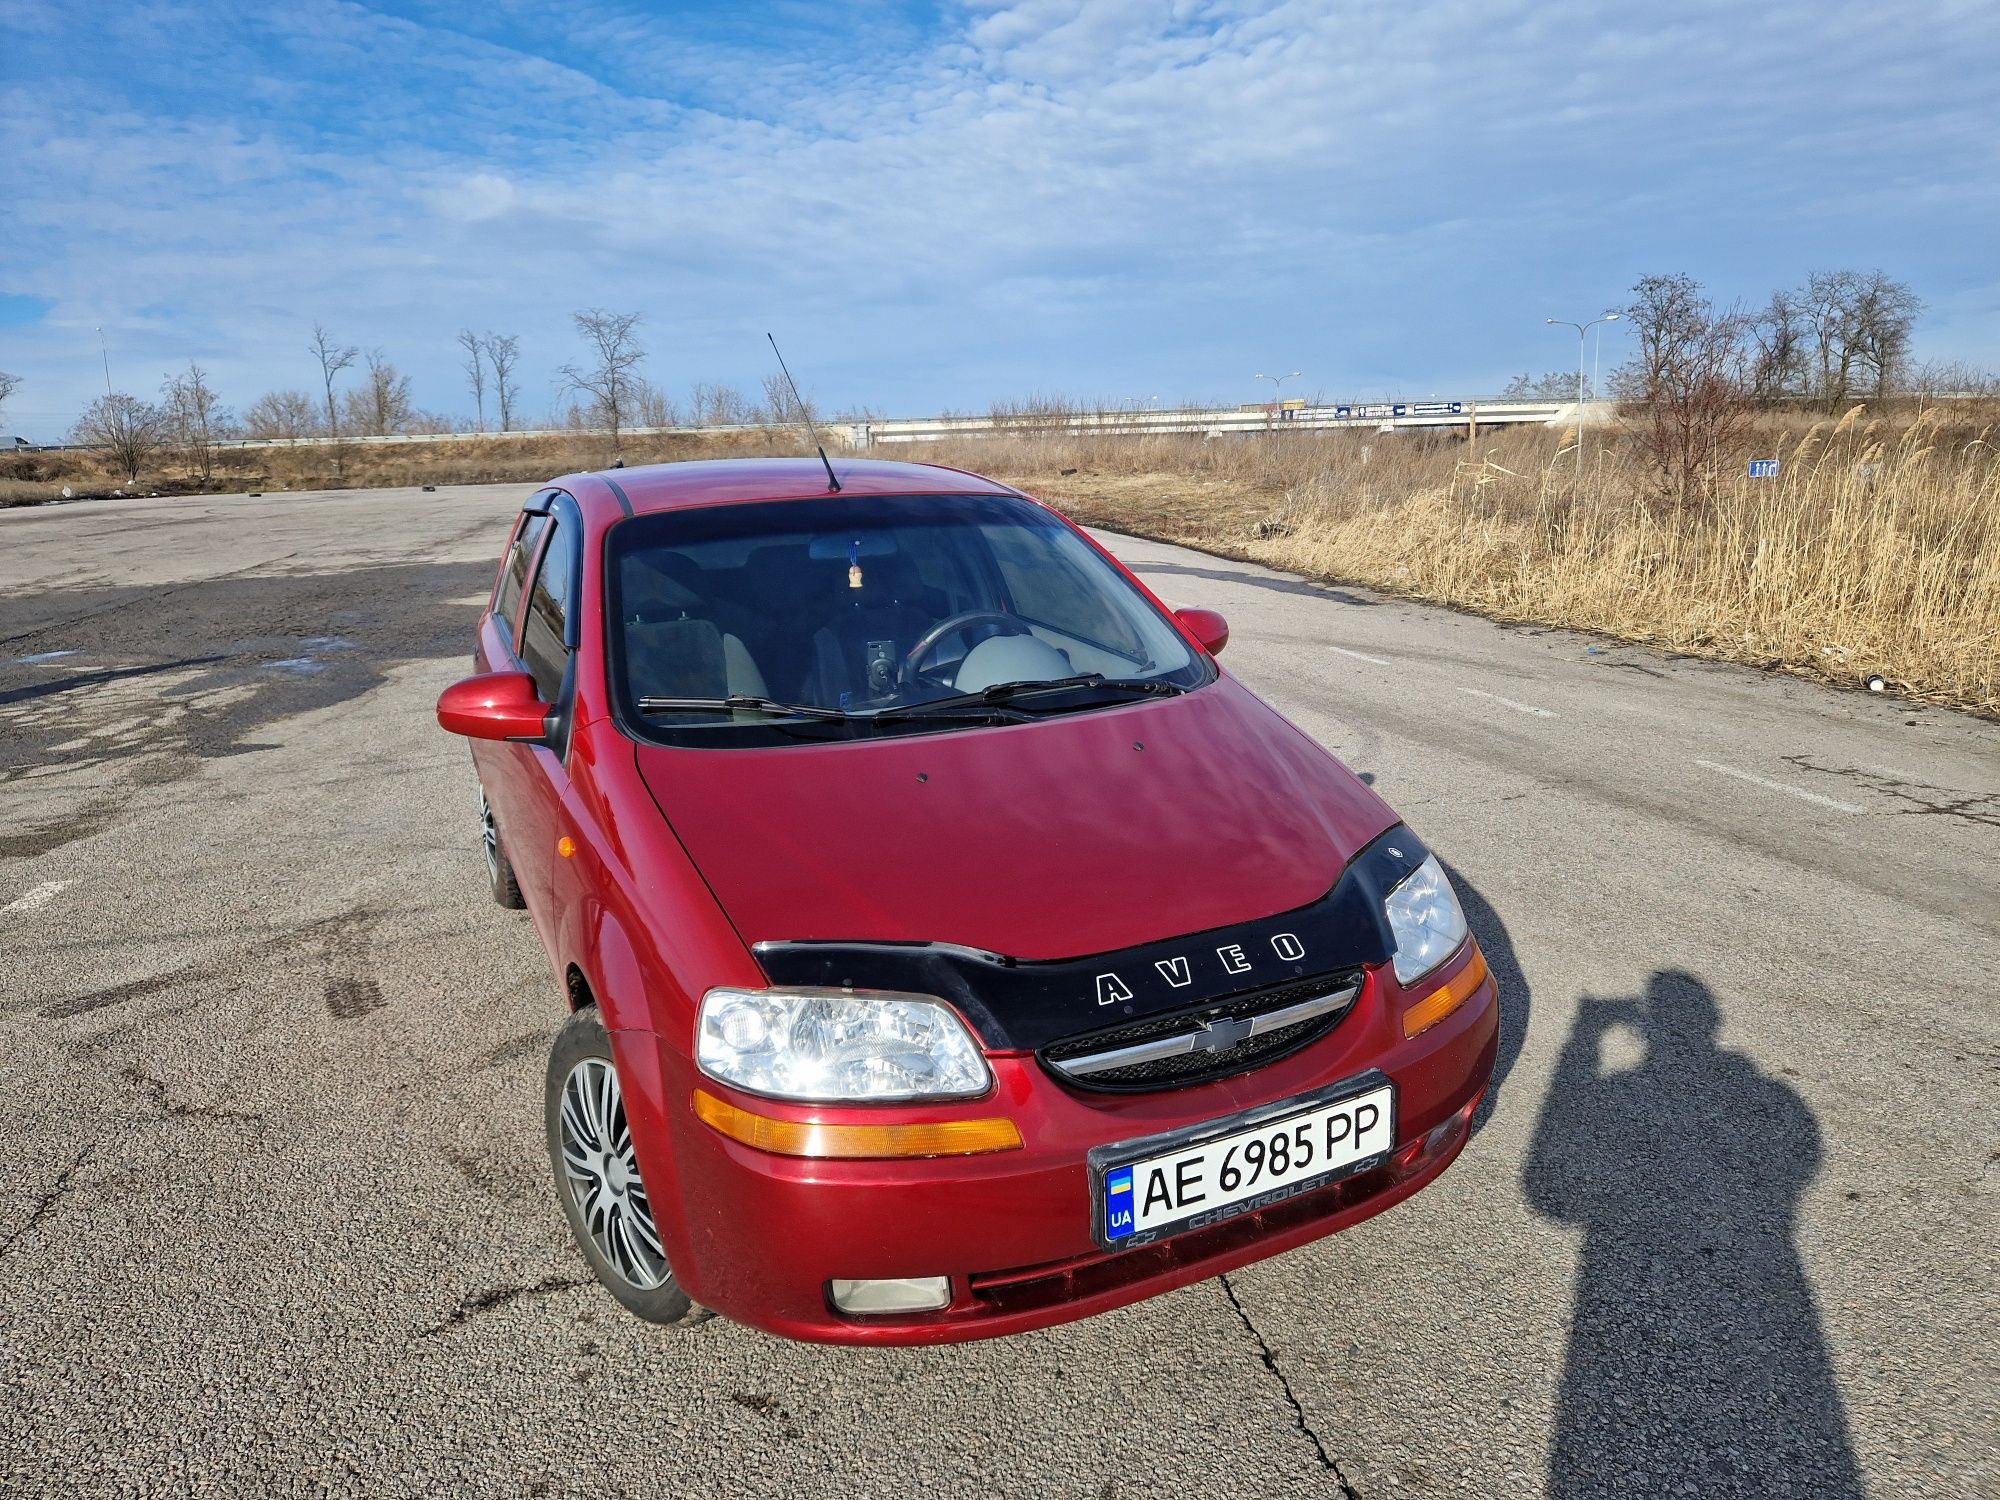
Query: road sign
[1432, 409]
[1343, 411]
[1763, 468]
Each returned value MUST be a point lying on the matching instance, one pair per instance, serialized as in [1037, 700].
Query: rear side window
[514, 576]
[549, 604]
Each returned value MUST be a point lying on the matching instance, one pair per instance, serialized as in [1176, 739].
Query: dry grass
[1877, 551]
[26, 479]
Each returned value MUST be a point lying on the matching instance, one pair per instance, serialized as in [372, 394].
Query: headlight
[828, 1046]
[1426, 918]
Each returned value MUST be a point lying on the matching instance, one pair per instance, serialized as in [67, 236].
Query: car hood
[1067, 836]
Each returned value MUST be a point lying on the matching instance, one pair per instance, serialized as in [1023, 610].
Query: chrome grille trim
[1189, 1041]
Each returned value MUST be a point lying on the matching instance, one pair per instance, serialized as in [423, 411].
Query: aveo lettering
[1234, 959]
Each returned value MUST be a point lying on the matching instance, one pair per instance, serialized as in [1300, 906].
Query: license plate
[1191, 1178]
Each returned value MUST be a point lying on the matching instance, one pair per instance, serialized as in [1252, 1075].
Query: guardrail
[1383, 416]
[1373, 416]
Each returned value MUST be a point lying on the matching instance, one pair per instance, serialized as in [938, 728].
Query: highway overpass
[1213, 422]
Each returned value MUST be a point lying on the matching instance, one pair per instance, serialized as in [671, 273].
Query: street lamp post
[1581, 330]
[1277, 390]
[105, 350]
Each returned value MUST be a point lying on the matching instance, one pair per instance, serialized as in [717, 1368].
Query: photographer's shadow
[1696, 1353]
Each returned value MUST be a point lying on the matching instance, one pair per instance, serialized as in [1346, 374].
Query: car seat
[688, 659]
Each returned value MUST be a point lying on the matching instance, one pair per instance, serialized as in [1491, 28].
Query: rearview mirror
[494, 706]
[1206, 626]
[837, 547]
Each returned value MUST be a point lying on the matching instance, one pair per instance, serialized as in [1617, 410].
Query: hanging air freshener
[854, 563]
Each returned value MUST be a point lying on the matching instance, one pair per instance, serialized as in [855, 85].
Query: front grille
[1207, 1041]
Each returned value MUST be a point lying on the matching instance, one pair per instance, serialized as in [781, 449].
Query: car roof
[657, 487]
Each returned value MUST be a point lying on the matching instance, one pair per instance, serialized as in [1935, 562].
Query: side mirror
[494, 706]
[1206, 626]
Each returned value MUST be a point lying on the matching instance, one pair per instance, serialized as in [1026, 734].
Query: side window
[549, 604]
[1053, 590]
[947, 561]
[514, 576]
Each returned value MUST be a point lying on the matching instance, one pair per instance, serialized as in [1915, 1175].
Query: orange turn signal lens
[1447, 997]
[855, 1142]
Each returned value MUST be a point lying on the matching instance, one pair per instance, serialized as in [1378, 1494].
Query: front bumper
[757, 1236]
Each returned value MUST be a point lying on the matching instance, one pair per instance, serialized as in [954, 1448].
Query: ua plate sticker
[1118, 1203]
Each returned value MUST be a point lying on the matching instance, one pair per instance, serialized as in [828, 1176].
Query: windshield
[837, 617]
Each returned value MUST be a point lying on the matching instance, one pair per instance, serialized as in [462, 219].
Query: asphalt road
[274, 1210]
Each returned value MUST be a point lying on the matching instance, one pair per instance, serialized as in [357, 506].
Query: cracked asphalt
[275, 1217]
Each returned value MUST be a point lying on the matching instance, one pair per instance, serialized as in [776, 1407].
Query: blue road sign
[1763, 468]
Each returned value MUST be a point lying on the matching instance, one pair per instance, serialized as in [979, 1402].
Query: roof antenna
[832, 484]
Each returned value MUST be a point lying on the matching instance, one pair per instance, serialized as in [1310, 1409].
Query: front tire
[597, 1177]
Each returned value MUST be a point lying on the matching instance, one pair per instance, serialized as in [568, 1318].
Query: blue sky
[937, 205]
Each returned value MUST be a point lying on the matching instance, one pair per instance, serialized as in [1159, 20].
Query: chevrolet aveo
[952, 948]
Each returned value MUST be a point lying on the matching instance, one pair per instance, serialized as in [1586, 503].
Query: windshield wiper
[743, 702]
[957, 710]
[1010, 693]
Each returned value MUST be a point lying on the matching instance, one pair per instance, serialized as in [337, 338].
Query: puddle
[316, 646]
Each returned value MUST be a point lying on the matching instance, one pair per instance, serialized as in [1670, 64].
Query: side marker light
[1447, 997]
[855, 1142]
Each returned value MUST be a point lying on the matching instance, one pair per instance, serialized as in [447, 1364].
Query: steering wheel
[914, 658]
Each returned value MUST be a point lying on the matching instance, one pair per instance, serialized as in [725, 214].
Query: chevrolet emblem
[1222, 1033]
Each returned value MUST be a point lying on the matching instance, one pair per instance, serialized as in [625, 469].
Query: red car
[952, 948]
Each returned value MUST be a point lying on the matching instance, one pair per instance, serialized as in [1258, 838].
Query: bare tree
[281, 414]
[126, 426]
[333, 358]
[711, 405]
[782, 408]
[1858, 325]
[1948, 379]
[503, 352]
[475, 370]
[1780, 339]
[1885, 312]
[381, 405]
[195, 418]
[1685, 391]
[8, 385]
[1557, 385]
[609, 372]
[652, 406]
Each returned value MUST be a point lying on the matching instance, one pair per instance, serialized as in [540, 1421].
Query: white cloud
[479, 196]
[1092, 197]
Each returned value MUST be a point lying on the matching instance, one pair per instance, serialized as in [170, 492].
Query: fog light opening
[1444, 1134]
[896, 1294]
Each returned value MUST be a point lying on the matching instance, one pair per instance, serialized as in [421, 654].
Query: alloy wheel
[489, 838]
[602, 1173]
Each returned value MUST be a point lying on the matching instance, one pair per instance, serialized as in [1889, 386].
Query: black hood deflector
[1017, 1005]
